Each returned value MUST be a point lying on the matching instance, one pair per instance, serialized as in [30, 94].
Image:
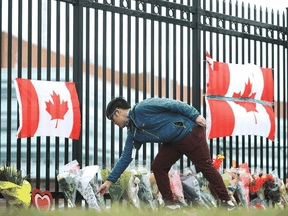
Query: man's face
[119, 118]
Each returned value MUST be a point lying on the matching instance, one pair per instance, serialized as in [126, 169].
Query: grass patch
[119, 211]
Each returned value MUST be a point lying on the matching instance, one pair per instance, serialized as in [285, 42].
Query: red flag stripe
[76, 111]
[268, 91]
[221, 111]
[30, 108]
[219, 79]
[270, 112]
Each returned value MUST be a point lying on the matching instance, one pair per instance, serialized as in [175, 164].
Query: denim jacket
[159, 120]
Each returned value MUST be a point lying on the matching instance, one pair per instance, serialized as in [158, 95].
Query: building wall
[24, 62]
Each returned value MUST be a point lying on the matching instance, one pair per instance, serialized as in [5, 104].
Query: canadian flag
[239, 100]
[48, 108]
[235, 80]
[229, 118]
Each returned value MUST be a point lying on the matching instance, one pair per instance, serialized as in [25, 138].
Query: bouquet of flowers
[131, 192]
[191, 188]
[145, 193]
[155, 191]
[100, 200]
[176, 187]
[15, 188]
[117, 189]
[68, 182]
[85, 187]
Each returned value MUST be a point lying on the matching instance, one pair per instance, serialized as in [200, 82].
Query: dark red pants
[195, 147]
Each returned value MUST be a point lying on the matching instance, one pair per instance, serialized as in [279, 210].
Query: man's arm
[120, 167]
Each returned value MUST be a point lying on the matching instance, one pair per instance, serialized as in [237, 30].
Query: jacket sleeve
[158, 105]
[124, 160]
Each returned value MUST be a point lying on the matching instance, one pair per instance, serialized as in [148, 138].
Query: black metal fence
[136, 49]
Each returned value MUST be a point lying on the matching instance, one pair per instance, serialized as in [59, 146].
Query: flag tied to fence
[239, 100]
[48, 108]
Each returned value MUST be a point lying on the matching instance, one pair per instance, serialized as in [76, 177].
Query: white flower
[63, 175]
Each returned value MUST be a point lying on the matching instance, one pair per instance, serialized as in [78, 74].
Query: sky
[280, 5]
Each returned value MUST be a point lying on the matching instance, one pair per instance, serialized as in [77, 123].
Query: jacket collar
[127, 123]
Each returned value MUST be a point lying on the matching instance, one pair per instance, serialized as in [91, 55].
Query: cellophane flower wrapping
[176, 186]
[145, 193]
[117, 189]
[235, 181]
[131, 192]
[195, 188]
[258, 203]
[155, 191]
[68, 182]
[191, 188]
[87, 189]
[15, 188]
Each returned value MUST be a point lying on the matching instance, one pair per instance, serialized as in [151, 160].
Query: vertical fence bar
[211, 53]
[137, 59]
[144, 73]
[159, 55]
[284, 103]
[121, 75]
[255, 62]
[284, 96]
[261, 64]
[224, 60]
[189, 60]
[167, 93]
[267, 64]
[230, 61]
[20, 14]
[137, 65]
[249, 61]
[39, 57]
[189, 65]
[243, 62]
[78, 76]
[159, 59]
[152, 76]
[112, 81]
[196, 78]
[104, 89]
[278, 99]
[272, 61]
[129, 55]
[217, 59]
[87, 112]
[237, 61]
[181, 72]
[9, 85]
[29, 65]
[67, 79]
[96, 87]
[57, 141]
[174, 56]
[47, 186]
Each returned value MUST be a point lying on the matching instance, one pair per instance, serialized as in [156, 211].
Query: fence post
[196, 76]
[78, 78]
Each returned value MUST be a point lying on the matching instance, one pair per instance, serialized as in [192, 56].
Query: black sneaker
[228, 206]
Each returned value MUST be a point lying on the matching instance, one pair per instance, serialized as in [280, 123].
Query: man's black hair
[119, 102]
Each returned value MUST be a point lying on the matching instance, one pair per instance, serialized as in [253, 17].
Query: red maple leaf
[250, 107]
[56, 110]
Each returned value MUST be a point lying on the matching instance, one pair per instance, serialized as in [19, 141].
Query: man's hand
[200, 120]
[104, 188]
